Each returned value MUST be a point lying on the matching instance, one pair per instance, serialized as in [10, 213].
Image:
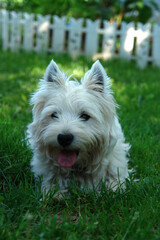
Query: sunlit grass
[133, 214]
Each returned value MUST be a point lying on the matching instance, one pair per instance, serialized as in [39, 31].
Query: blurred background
[127, 10]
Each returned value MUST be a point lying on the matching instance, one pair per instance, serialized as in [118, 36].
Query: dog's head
[72, 121]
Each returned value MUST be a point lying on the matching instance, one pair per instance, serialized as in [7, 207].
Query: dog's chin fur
[60, 107]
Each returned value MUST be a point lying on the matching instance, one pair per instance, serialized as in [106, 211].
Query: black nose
[65, 139]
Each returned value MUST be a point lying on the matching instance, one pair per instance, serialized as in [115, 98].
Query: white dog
[75, 133]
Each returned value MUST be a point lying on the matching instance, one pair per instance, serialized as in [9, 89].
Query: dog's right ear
[96, 78]
[54, 75]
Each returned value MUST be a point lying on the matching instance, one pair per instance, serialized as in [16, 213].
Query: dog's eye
[54, 115]
[85, 117]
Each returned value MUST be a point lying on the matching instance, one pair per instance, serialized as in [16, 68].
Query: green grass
[132, 214]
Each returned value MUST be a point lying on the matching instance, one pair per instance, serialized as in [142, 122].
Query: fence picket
[127, 40]
[15, 31]
[42, 33]
[156, 45]
[5, 28]
[91, 43]
[109, 39]
[58, 34]
[75, 36]
[143, 34]
[28, 32]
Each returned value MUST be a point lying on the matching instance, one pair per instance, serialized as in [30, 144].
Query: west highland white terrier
[75, 134]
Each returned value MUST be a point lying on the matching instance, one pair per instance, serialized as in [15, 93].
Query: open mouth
[67, 158]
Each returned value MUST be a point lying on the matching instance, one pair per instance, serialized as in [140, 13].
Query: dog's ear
[96, 78]
[53, 74]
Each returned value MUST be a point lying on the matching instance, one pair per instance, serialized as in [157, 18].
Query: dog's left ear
[96, 78]
[53, 74]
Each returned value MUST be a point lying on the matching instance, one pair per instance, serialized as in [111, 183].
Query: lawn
[130, 214]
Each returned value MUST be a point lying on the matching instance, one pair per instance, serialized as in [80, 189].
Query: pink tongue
[66, 159]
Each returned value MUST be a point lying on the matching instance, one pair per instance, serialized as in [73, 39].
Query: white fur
[99, 141]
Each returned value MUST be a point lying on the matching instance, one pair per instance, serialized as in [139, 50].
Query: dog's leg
[117, 170]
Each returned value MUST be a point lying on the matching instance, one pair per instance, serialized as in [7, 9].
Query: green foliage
[130, 214]
[139, 11]
[128, 10]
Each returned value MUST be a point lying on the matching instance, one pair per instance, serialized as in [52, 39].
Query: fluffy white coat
[85, 110]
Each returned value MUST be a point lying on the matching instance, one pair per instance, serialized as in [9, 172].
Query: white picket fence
[78, 36]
